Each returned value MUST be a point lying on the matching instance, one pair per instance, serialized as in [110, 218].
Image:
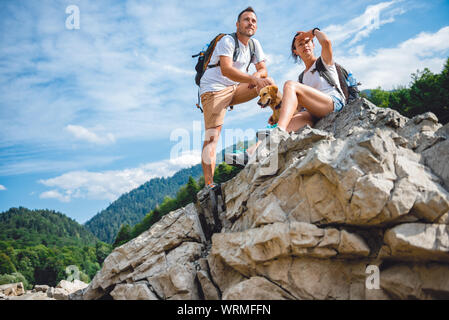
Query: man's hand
[257, 75]
[260, 83]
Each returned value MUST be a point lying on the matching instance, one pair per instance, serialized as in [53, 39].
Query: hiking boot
[212, 186]
[214, 191]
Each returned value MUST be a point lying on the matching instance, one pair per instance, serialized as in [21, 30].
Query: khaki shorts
[215, 104]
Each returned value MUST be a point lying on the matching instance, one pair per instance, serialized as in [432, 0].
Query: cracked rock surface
[365, 187]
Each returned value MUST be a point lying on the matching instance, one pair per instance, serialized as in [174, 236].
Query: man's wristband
[313, 31]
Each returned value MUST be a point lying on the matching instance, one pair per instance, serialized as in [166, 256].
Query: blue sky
[90, 113]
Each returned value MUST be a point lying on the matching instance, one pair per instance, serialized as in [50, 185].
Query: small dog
[270, 96]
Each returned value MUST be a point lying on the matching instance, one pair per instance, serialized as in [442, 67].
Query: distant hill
[26, 227]
[36, 246]
[132, 207]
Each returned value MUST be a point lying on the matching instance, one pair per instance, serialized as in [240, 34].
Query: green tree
[168, 205]
[192, 188]
[201, 183]
[380, 97]
[428, 92]
[123, 236]
[187, 193]
[15, 277]
[399, 100]
[102, 250]
[6, 265]
[225, 172]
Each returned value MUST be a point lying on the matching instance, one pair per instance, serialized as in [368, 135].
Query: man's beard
[247, 33]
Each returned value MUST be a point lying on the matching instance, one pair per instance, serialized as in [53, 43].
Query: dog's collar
[278, 106]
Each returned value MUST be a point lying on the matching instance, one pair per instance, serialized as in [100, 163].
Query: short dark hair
[249, 9]
[293, 47]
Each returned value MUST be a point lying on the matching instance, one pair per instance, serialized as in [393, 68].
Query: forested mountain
[36, 247]
[185, 195]
[132, 207]
[32, 227]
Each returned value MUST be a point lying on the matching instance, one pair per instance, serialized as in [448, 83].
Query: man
[229, 84]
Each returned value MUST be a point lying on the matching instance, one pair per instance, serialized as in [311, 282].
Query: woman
[303, 103]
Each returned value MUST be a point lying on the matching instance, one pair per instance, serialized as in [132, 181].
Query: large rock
[71, 286]
[65, 290]
[316, 214]
[208, 289]
[12, 289]
[60, 294]
[163, 256]
[334, 182]
[417, 241]
[244, 250]
[133, 291]
[31, 296]
[416, 281]
[433, 155]
[256, 288]
[41, 288]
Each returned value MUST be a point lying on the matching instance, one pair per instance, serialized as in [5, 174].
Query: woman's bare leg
[317, 103]
[299, 120]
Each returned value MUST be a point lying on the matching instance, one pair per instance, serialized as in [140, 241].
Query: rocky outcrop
[317, 214]
[12, 289]
[65, 290]
[164, 259]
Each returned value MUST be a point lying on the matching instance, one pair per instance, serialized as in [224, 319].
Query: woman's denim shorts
[338, 103]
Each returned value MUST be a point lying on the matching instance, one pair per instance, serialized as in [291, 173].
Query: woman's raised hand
[302, 35]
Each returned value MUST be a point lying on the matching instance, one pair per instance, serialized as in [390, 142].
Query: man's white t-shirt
[314, 80]
[213, 79]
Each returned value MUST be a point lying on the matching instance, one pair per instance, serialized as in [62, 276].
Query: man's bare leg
[209, 154]
[244, 94]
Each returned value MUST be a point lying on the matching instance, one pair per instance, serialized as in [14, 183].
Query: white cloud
[29, 164]
[118, 69]
[180, 71]
[109, 185]
[390, 67]
[84, 134]
[360, 27]
[2, 187]
[55, 194]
